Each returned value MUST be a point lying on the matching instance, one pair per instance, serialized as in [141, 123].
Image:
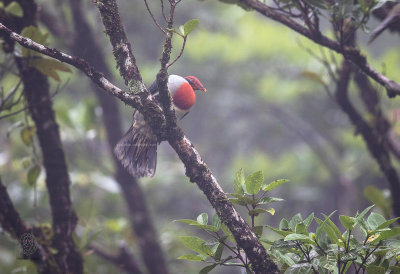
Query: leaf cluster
[250, 192]
[365, 245]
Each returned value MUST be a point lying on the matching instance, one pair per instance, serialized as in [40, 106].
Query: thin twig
[154, 19]
[180, 53]
[162, 10]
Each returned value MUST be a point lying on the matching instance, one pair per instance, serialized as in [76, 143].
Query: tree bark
[139, 215]
[36, 91]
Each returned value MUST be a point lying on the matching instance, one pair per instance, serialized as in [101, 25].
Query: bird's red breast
[184, 97]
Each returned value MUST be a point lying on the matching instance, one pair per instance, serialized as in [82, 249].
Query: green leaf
[387, 223]
[216, 221]
[182, 30]
[301, 228]
[49, 67]
[374, 220]
[254, 182]
[347, 222]
[33, 174]
[365, 211]
[218, 252]
[385, 235]
[236, 201]
[243, 198]
[325, 227]
[207, 269]
[197, 244]
[374, 269]
[274, 184]
[267, 200]
[257, 211]
[198, 225]
[335, 229]
[258, 230]
[192, 257]
[238, 182]
[27, 134]
[308, 220]
[304, 268]
[228, 233]
[202, 218]
[15, 9]
[282, 257]
[189, 26]
[296, 236]
[187, 221]
[294, 221]
[279, 231]
[283, 224]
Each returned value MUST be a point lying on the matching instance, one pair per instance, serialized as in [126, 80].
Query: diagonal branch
[141, 101]
[139, 216]
[350, 53]
[123, 259]
[373, 141]
[196, 169]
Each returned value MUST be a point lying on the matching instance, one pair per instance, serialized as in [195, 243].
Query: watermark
[27, 246]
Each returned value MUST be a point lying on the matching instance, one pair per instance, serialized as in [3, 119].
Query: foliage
[47, 66]
[250, 192]
[366, 244]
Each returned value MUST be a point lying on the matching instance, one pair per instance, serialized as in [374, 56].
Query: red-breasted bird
[137, 149]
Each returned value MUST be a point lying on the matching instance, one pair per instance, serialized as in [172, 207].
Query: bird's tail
[137, 151]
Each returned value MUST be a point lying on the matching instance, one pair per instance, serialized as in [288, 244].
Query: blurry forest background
[268, 107]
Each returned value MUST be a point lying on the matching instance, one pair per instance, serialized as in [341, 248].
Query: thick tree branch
[196, 169]
[36, 90]
[350, 53]
[381, 124]
[124, 260]
[141, 101]
[139, 215]
[122, 49]
[162, 76]
[373, 141]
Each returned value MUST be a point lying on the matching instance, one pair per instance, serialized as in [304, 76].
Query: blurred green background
[266, 108]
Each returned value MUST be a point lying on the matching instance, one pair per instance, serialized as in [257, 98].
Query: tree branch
[349, 53]
[141, 101]
[123, 259]
[154, 19]
[36, 90]
[372, 140]
[139, 215]
[196, 169]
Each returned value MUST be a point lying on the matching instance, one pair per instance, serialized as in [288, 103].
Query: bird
[137, 149]
[393, 16]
